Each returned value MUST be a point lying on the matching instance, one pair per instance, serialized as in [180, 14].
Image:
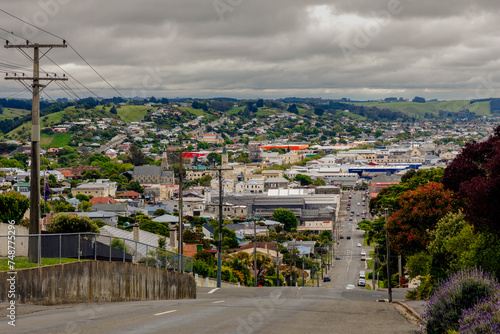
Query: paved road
[227, 310]
[116, 140]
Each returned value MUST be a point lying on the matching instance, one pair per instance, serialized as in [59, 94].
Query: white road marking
[218, 301]
[171, 311]
[212, 291]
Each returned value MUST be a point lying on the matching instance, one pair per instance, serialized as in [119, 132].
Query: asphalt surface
[330, 308]
[227, 310]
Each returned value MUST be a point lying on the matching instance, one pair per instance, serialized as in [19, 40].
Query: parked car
[341, 236]
[348, 237]
[327, 279]
[361, 282]
[359, 244]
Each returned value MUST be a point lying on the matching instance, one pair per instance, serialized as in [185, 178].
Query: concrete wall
[97, 281]
[206, 282]
[21, 242]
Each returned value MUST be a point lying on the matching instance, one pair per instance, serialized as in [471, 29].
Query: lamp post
[388, 247]
[255, 251]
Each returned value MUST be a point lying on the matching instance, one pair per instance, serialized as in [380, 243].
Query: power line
[1, 10]
[79, 55]
[72, 77]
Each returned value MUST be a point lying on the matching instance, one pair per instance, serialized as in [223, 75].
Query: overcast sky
[360, 49]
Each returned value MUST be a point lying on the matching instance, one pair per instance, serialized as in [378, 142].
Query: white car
[350, 287]
[359, 245]
[361, 282]
[359, 203]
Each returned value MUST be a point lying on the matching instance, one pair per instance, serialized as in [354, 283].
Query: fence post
[60, 236]
[95, 247]
[79, 241]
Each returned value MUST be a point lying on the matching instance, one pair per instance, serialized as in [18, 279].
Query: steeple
[224, 158]
[164, 159]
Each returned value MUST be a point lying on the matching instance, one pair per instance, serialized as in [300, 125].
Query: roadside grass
[23, 263]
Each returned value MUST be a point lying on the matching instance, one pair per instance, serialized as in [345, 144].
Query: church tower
[224, 159]
[164, 160]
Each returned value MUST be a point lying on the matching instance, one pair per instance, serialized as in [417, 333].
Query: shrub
[482, 318]
[66, 223]
[461, 291]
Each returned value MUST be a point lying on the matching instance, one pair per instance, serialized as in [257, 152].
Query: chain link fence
[91, 246]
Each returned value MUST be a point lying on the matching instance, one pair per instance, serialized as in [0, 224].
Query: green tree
[82, 197]
[203, 145]
[229, 239]
[119, 244]
[304, 180]
[212, 158]
[137, 156]
[319, 182]
[22, 158]
[286, 217]
[13, 206]
[159, 212]
[66, 223]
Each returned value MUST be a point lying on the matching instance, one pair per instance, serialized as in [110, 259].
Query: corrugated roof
[151, 239]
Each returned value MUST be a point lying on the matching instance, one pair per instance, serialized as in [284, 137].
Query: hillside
[128, 113]
[418, 110]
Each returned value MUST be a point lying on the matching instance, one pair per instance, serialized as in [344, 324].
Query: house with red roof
[130, 195]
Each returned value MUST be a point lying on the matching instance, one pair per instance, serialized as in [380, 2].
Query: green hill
[418, 110]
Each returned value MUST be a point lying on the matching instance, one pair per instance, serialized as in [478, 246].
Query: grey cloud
[269, 48]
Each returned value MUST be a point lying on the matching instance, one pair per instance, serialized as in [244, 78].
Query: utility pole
[255, 251]
[181, 207]
[219, 253]
[33, 245]
[303, 275]
[388, 247]
[277, 267]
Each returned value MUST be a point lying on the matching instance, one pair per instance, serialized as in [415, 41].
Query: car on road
[362, 274]
[348, 237]
[337, 257]
[341, 236]
[359, 203]
[327, 279]
[359, 244]
[350, 287]
[361, 282]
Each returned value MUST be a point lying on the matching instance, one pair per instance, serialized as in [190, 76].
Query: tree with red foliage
[475, 175]
[419, 212]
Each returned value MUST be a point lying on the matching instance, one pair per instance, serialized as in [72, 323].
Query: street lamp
[389, 289]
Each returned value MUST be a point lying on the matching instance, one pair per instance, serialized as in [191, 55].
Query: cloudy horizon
[259, 49]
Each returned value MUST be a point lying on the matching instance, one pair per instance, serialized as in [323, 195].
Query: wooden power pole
[36, 88]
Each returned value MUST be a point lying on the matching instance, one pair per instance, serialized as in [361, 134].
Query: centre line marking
[213, 290]
[171, 311]
[218, 301]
